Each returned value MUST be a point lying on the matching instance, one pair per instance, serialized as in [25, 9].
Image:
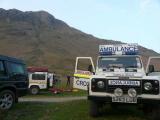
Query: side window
[38, 77]
[17, 68]
[2, 69]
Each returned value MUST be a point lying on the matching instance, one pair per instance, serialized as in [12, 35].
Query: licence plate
[124, 99]
[124, 83]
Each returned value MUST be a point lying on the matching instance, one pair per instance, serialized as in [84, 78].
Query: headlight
[132, 92]
[100, 84]
[156, 82]
[118, 92]
[147, 86]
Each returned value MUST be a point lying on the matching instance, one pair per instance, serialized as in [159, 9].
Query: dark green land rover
[13, 81]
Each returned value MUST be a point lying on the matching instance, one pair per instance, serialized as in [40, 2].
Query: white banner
[81, 83]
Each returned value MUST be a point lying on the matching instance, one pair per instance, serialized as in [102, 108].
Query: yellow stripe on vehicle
[82, 76]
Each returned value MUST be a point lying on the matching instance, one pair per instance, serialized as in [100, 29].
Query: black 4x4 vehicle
[13, 81]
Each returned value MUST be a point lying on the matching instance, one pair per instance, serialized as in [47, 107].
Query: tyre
[152, 112]
[34, 90]
[7, 100]
[94, 109]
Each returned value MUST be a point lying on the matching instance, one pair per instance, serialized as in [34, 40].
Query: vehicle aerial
[40, 78]
[121, 79]
[13, 81]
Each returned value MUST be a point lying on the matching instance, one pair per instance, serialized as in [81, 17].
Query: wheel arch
[34, 86]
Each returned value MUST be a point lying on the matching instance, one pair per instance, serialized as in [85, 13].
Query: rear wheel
[34, 90]
[7, 100]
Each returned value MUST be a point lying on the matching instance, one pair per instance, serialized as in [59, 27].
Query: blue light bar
[122, 49]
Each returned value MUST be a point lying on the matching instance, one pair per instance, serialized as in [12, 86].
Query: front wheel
[152, 112]
[7, 99]
[94, 109]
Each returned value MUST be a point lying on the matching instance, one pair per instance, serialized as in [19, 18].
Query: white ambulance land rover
[120, 78]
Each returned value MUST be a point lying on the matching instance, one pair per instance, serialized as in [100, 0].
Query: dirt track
[46, 100]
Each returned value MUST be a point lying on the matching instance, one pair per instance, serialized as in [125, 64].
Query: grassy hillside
[42, 40]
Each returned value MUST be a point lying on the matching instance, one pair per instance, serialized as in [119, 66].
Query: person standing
[68, 81]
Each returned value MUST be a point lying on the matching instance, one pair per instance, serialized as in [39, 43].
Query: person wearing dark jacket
[68, 80]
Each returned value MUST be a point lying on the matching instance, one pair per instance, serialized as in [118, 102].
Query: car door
[18, 75]
[153, 66]
[4, 78]
[39, 79]
[81, 75]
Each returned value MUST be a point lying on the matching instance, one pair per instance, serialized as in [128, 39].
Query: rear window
[38, 77]
[2, 69]
[17, 68]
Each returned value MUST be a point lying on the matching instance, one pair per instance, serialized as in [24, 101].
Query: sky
[129, 21]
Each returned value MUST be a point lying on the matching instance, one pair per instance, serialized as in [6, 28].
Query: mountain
[42, 40]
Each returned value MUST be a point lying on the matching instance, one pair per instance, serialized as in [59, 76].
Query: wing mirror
[90, 68]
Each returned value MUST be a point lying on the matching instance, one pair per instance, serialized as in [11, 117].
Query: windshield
[126, 62]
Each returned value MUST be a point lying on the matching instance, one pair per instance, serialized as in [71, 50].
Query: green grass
[77, 110]
[44, 94]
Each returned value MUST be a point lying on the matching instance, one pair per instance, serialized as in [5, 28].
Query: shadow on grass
[3, 114]
[122, 112]
[45, 93]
